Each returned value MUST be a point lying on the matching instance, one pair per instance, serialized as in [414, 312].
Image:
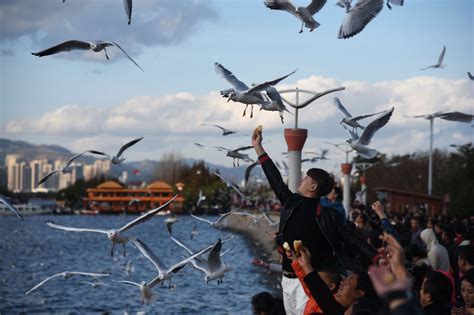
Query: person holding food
[321, 229]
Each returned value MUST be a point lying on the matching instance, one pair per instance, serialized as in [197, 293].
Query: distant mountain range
[146, 168]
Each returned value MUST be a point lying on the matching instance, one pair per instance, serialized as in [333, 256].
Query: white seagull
[66, 168]
[359, 144]
[116, 235]
[241, 92]
[7, 202]
[201, 198]
[215, 223]
[233, 153]
[348, 119]
[440, 64]
[248, 170]
[229, 184]
[118, 159]
[95, 46]
[275, 103]
[213, 268]
[304, 14]
[164, 273]
[67, 275]
[358, 16]
[225, 131]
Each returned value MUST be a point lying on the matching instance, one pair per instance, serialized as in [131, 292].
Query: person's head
[414, 253]
[353, 288]
[317, 182]
[331, 278]
[467, 289]
[459, 229]
[430, 223]
[436, 288]
[335, 194]
[438, 228]
[447, 234]
[263, 303]
[466, 258]
[361, 220]
[415, 224]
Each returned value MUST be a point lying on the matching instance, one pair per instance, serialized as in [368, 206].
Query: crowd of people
[373, 262]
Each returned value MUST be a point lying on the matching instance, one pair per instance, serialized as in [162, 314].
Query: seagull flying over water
[440, 64]
[66, 168]
[241, 92]
[201, 198]
[117, 159]
[95, 46]
[348, 119]
[7, 202]
[67, 275]
[304, 14]
[116, 235]
[229, 184]
[215, 223]
[360, 144]
[358, 16]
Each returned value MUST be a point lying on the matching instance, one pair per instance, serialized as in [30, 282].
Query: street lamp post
[296, 137]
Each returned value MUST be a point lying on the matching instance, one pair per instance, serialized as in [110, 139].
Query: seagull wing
[265, 85]
[128, 56]
[214, 259]
[267, 217]
[441, 57]
[147, 216]
[90, 274]
[243, 148]
[248, 170]
[230, 184]
[177, 266]
[353, 136]
[66, 46]
[73, 229]
[45, 177]
[43, 282]
[127, 5]
[315, 6]
[396, 2]
[68, 162]
[375, 125]
[470, 75]
[181, 244]
[127, 282]
[202, 219]
[457, 116]
[359, 16]
[366, 116]
[127, 145]
[230, 77]
[150, 256]
[9, 205]
[283, 5]
[226, 214]
[341, 107]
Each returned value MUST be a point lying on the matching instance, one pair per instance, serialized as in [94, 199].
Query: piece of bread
[259, 128]
[286, 246]
[297, 244]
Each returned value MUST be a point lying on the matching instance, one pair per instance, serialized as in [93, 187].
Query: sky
[82, 101]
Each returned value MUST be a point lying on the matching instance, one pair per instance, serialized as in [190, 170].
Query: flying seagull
[248, 170]
[358, 16]
[233, 153]
[213, 268]
[215, 223]
[440, 61]
[359, 144]
[7, 202]
[95, 46]
[66, 168]
[67, 275]
[229, 184]
[470, 76]
[117, 159]
[304, 14]
[241, 92]
[201, 198]
[115, 235]
[275, 103]
[348, 119]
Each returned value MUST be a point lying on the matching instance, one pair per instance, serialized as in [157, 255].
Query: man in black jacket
[322, 230]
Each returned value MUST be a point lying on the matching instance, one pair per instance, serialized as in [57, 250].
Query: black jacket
[323, 233]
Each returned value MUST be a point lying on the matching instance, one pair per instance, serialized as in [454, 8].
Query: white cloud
[172, 122]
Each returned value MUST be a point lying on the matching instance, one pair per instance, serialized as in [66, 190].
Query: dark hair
[459, 228]
[364, 284]
[265, 302]
[467, 253]
[438, 286]
[364, 217]
[334, 276]
[413, 250]
[469, 277]
[338, 191]
[323, 179]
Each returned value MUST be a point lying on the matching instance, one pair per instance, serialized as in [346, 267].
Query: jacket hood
[429, 238]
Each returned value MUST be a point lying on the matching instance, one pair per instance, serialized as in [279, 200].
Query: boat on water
[25, 209]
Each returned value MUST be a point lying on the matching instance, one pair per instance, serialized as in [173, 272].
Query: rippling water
[30, 251]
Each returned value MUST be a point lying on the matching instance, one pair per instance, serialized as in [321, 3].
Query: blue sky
[80, 100]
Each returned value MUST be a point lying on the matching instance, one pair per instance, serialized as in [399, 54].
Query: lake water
[30, 251]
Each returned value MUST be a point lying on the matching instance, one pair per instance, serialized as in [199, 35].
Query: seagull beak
[228, 100]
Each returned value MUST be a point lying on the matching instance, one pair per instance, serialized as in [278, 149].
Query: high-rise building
[10, 164]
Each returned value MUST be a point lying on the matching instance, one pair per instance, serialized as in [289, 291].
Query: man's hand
[378, 209]
[257, 141]
[396, 256]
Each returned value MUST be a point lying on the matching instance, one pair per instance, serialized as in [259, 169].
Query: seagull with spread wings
[215, 223]
[358, 16]
[8, 204]
[67, 168]
[234, 154]
[241, 93]
[118, 159]
[359, 144]
[348, 119]
[116, 235]
[67, 275]
[440, 64]
[95, 46]
[225, 131]
[304, 14]
[275, 103]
